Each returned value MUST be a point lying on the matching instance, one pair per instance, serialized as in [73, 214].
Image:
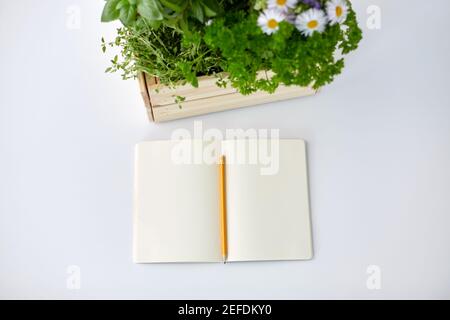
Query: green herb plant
[180, 40]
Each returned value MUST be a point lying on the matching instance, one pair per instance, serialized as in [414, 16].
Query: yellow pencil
[223, 208]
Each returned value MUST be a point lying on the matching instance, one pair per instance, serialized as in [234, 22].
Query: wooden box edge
[171, 111]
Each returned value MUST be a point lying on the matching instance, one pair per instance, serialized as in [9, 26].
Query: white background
[379, 158]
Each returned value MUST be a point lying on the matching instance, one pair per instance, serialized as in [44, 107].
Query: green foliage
[171, 40]
[352, 35]
[179, 14]
[294, 59]
[164, 53]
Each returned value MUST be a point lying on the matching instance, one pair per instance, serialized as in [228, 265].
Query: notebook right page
[268, 214]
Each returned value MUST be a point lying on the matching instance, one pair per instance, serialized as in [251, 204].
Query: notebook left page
[176, 213]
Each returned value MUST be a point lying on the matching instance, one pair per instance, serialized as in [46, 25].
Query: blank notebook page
[268, 215]
[176, 217]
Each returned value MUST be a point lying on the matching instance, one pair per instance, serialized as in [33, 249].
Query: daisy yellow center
[272, 23]
[281, 2]
[339, 11]
[313, 24]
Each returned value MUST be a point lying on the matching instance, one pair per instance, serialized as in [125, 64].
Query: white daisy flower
[269, 20]
[310, 21]
[282, 5]
[337, 11]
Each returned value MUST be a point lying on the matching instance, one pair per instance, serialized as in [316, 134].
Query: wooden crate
[208, 97]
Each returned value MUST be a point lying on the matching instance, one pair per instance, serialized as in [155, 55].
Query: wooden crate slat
[143, 89]
[162, 95]
[143, 80]
[206, 99]
[226, 102]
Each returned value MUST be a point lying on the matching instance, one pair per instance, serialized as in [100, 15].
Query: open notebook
[176, 209]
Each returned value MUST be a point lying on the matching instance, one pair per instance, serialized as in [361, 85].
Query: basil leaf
[110, 12]
[197, 11]
[121, 4]
[211, 7]
[128, 15]
[175, 5]
[150, 9]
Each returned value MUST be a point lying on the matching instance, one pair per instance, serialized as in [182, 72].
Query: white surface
[379, 153]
